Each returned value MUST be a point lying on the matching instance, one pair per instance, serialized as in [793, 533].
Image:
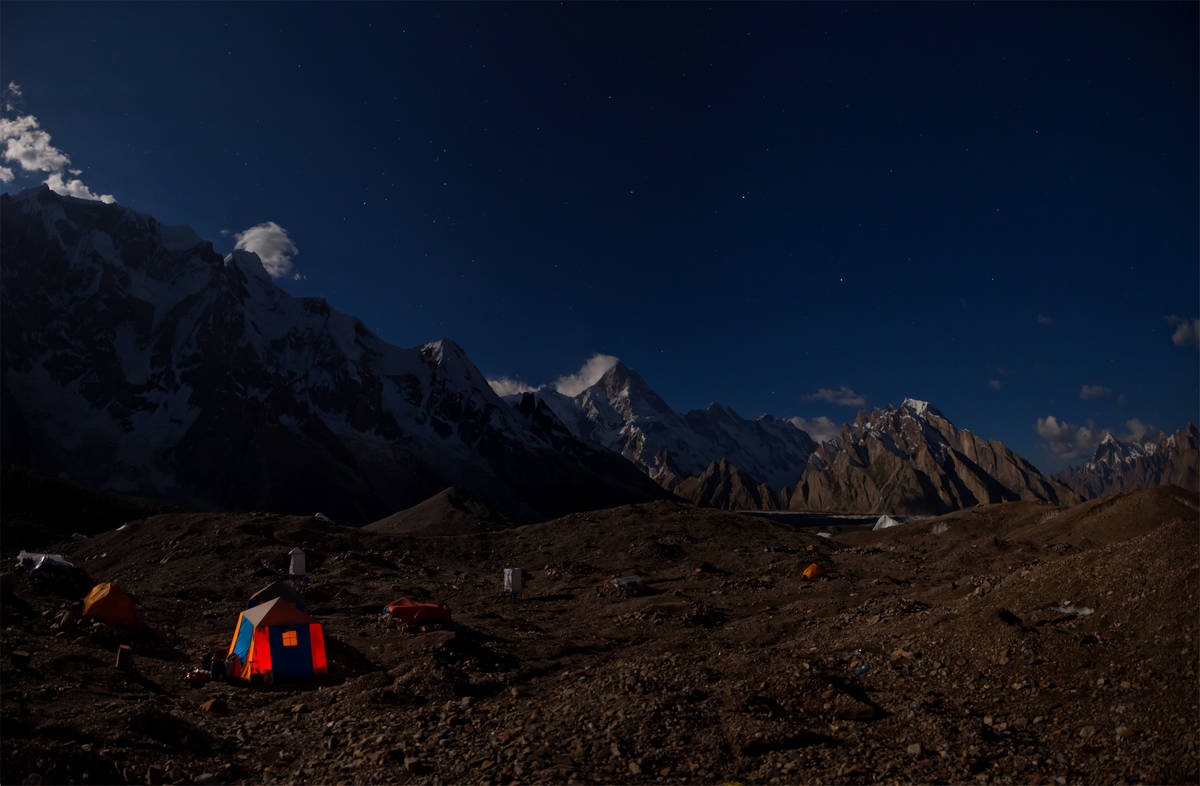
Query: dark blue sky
[988, 206]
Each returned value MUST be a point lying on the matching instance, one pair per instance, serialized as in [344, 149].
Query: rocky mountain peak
[914, 460]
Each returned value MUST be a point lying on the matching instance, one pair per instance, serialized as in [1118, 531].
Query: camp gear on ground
[196, 677]
[296, 566]
[814, 571]
[276, 639]
[124, 657]
[513, 580]
[633, 585]
[406, 611]
[277, 589]
[110, 603]
[30, 560]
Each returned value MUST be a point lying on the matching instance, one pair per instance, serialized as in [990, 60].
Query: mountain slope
[622, 413]
[1124, 466]
[912, 460]
[137, 359]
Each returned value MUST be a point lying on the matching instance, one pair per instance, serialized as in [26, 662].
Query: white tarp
[885, 521]
[35, 561]
[512, 580]
[1070, 608]
[296, 567]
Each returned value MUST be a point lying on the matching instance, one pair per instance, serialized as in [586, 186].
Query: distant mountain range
[1124, 466]
[906, 460]
[138, 360]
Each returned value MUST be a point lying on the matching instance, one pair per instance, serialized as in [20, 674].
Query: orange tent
[111, 604]
[814, 571]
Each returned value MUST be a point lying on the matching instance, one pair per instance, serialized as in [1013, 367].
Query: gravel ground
[943, 650]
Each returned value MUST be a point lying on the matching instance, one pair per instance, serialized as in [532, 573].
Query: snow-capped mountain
[137, 359]
[1119, 466]
[913, 460]
[622, 413]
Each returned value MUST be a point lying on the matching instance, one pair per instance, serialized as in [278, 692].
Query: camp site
[656, 642]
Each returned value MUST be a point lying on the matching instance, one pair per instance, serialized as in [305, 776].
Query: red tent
[279, 638]
[407, 611]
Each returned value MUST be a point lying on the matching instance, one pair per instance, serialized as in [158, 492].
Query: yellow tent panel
[111, 604]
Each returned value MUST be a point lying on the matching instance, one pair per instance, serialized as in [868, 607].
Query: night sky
[992, 207]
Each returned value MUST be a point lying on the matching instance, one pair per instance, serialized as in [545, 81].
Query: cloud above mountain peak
[272, 244]
[842, 397]
[23, 141]
[596, 366]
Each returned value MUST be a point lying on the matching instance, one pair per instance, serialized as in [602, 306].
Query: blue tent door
[245, 633]
[290, 659]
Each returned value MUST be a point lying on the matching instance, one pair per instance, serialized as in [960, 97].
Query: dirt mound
[998, 649]
[452, 511]
[1118, 517]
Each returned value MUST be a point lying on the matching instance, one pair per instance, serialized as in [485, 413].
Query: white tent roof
[884, 522]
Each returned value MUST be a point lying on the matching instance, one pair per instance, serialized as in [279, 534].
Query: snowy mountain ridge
[912, 460]
[622, 413]
[137, 359]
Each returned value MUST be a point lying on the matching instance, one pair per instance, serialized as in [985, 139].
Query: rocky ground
[944, 650]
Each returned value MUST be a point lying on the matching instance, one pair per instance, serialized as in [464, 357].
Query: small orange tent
[814, 571]
[111, 604]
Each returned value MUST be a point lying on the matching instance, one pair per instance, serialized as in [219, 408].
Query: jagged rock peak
[919, 408]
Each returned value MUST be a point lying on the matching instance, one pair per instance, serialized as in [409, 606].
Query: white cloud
[994, 384]
[595, 367]
[819, 428]
[843, 397]
[1094, 391]
[1045, 319]
[1139, 431]
[273, 246]
[75, 188]
[1066, 440]
[1187, 331]
[504, 386]
[25, 142]
[12, 91]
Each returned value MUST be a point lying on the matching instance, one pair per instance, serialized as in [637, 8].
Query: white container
[512, 581]
[296, 567]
